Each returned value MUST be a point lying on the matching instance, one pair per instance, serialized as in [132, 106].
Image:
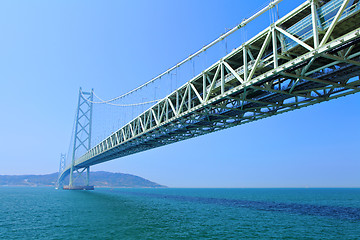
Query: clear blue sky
[48, 49]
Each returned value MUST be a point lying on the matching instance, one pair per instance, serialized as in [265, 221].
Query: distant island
[98, 179]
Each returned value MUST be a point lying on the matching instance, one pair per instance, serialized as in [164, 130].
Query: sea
[177, 213]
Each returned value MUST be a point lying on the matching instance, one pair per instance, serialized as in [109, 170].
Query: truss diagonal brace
[319, 81]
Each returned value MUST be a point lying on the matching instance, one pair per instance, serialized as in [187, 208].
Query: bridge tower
[82, 135]
[62, 166]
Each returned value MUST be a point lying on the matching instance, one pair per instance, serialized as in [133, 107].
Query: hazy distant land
[98, 179]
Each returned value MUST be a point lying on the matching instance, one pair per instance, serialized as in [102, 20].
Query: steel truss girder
[257, 80]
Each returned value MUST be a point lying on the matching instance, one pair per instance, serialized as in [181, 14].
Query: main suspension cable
[115, 104]
[272, 4]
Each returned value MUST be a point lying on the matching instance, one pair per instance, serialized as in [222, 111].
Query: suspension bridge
[310, 55]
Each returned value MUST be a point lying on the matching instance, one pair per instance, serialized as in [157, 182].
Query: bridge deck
[281, 69]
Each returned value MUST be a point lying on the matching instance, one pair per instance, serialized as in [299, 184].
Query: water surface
[46, 213]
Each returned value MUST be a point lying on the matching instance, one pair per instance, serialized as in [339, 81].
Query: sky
[48, 49]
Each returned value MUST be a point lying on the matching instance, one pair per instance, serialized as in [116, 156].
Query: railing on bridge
[309, 56]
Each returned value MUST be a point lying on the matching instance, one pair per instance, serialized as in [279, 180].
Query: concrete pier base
[67, 187]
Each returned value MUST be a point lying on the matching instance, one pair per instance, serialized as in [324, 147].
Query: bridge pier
[72, 186]
[87, 175]
[78, 188]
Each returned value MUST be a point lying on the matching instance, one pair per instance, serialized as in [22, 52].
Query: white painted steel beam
[219, 97]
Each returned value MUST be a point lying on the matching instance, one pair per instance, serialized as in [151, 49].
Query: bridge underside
[230, 112]
[297, 62]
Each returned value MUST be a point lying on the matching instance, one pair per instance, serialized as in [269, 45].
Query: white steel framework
[309, 56]
[82, 134]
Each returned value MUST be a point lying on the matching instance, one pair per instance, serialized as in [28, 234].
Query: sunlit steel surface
[309, 56]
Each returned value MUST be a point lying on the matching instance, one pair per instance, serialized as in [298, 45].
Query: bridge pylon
[82, 138]
[62, 166]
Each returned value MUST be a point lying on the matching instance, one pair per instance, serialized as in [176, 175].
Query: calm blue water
[46, 213]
